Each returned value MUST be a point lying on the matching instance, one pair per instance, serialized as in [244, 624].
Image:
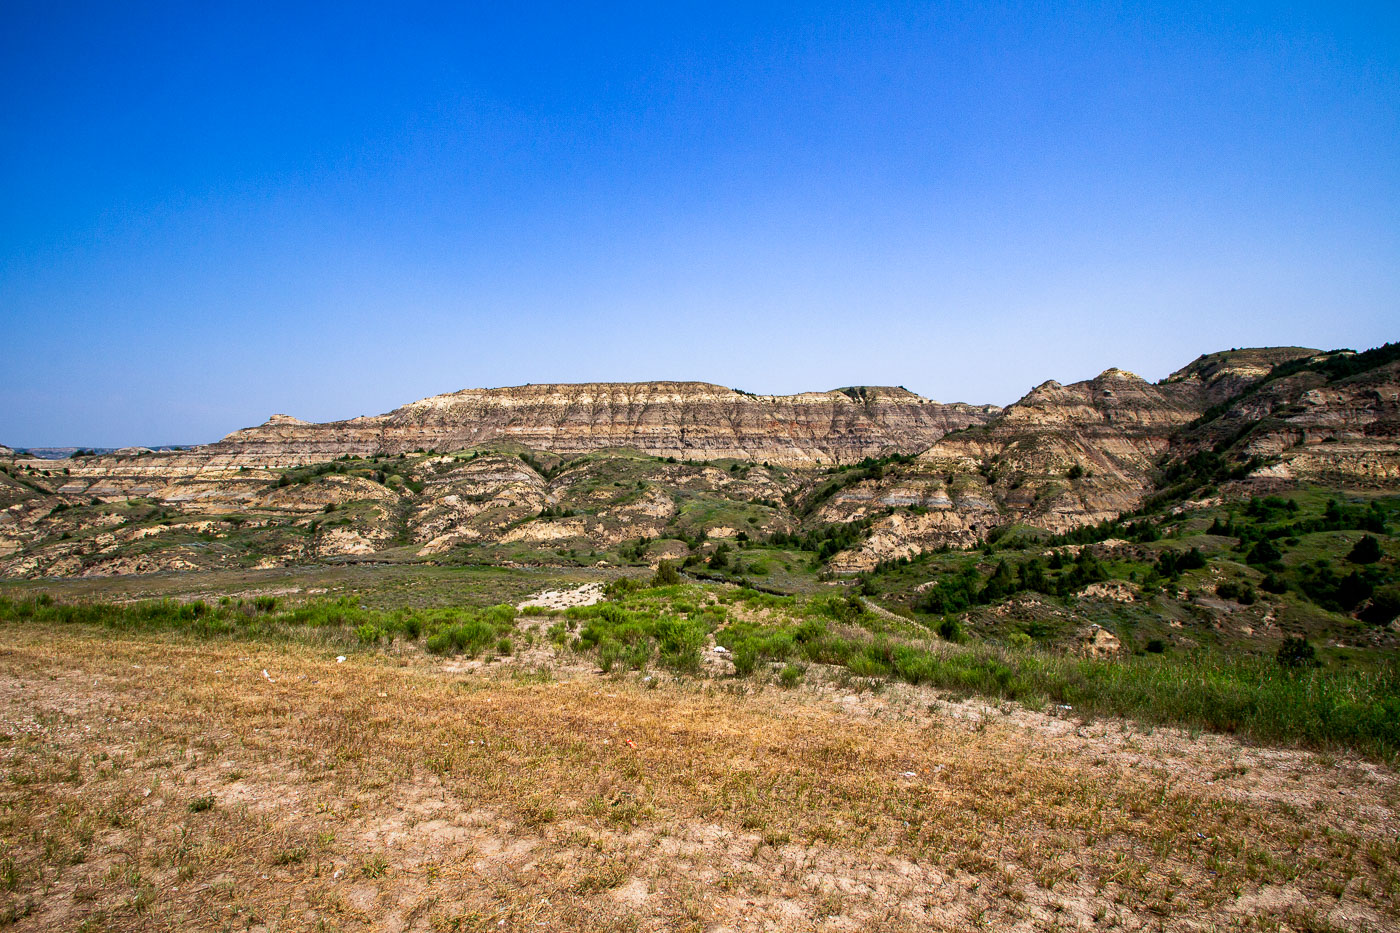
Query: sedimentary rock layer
[686, 420]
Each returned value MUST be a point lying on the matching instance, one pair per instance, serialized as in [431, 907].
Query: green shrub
[1384, 605]
[1242, 593]
[638, 635]
[635, 657]
[499, 615]
[1263, 552]
[470, 637]
[719, 560]
[952, 630]
[863, 665]
[1365, 551]
[790, 676]
[621, 587]
[745, 658]
[410, 624]
[1295, 652]
[914, 665]
[369, 633]
[680, 643]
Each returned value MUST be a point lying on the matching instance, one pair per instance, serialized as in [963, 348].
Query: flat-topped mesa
[686, 420]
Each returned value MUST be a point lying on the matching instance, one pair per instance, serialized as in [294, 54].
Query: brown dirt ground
[154, 782]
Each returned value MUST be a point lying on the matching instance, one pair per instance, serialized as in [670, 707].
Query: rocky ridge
[1066, 456]
[542, 470]
[686, 420]
[1061, 457]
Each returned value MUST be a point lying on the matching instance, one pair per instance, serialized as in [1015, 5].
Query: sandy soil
[585, 595]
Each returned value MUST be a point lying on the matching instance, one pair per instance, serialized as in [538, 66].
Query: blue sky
[211, 212]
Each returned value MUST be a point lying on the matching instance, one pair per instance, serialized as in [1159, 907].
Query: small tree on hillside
[1366, 551]
[719, 560]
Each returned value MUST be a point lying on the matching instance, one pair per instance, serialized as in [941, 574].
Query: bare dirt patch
[585, 595]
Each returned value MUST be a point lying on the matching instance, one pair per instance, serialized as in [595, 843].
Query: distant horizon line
[55, 448]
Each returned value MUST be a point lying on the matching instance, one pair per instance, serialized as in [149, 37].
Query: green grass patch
[345, 620]
[637, 637]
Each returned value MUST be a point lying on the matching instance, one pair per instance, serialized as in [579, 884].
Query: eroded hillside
[579, 475]
[689, 420]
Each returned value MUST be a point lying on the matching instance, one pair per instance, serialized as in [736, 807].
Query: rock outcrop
[1061, 457]
[1219, 377]
[1311, 428]
[1067, 456]
[685, 420]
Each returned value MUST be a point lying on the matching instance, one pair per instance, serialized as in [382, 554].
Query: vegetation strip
[668, 627]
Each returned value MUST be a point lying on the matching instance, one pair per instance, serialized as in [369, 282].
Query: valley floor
[157, 782]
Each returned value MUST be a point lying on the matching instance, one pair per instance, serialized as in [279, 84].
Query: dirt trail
[882, 612]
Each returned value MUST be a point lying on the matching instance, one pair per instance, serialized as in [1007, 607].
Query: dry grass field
[157, 782]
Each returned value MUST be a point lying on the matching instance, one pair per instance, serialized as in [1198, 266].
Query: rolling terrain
[1121, 655]
[1248, 498]
[528, 473]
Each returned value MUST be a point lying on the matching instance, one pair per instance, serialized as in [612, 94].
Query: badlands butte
[576, 474]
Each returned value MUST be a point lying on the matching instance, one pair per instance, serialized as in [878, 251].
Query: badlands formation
[661, 419]
[576, 470]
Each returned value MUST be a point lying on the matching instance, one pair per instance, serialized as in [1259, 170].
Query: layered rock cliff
[686, 420]
[1067, 456]
[1329, 418]
[1219, 377]
[1060, 457]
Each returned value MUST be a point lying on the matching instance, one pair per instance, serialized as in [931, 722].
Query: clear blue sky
[211, 212]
